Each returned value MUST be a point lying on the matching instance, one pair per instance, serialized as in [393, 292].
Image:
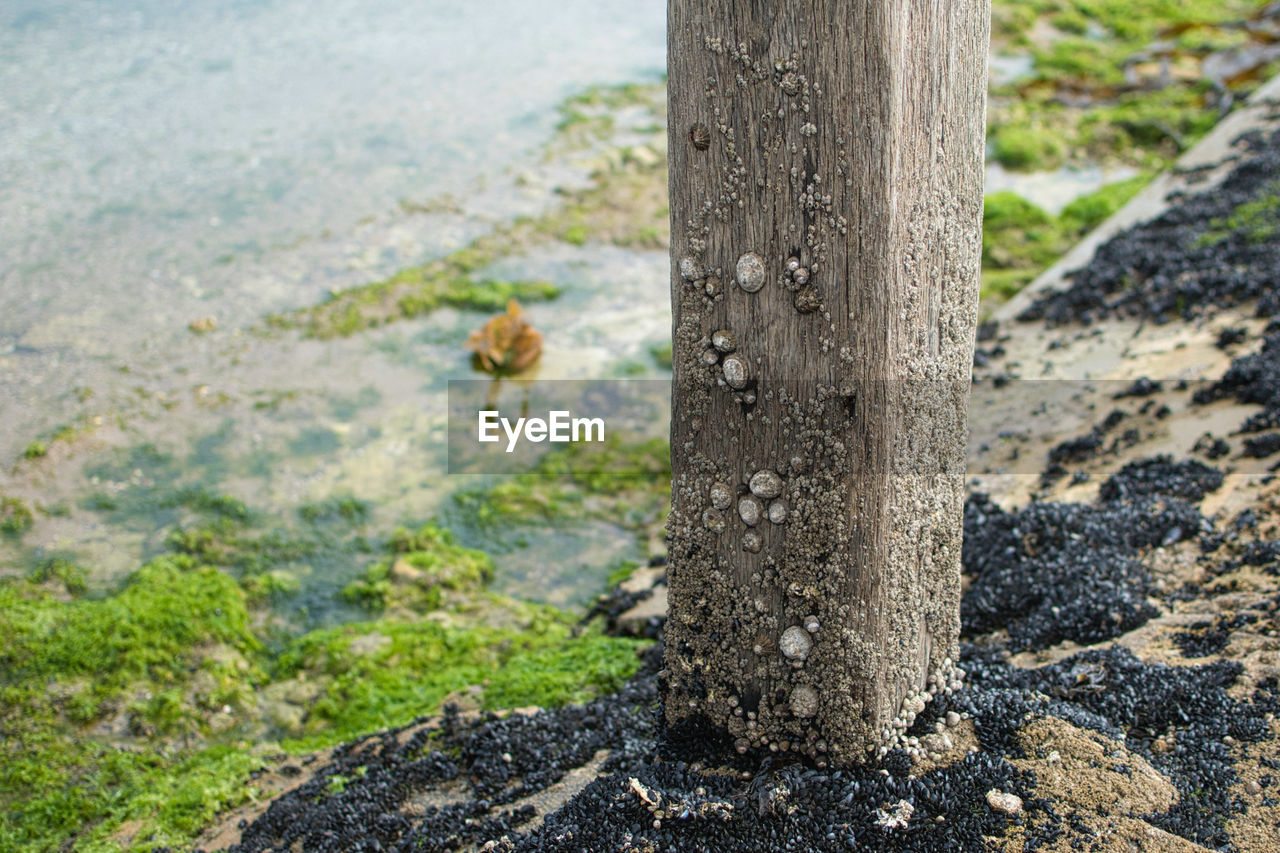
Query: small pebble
[1002, 802]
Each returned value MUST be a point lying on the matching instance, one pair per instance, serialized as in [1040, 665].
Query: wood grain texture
[848, 136]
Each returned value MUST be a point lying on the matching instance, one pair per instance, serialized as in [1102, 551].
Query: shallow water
[164, 162]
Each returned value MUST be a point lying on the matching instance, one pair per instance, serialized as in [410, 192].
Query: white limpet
[750, 272]
[795, 643]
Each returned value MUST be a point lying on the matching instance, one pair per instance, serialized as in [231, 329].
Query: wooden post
[826, 201]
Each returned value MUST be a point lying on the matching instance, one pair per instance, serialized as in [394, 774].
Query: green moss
[1024, 148]
[230, 545]
[422, 566]
[347, 509]
[415, 665]
[201, 500]
[1089, 211]
[39, 448]
[1149, 128]
[1254, 221]
[269, 586]
[63, 573]
[150, 651]
[1020, 240]
[625, 481]
[563, 670]
[575, 235]
[174, 649]
[662, 354]
[589, 116]
[1081, 105]
[83, 659]
[1080, 59]
[1002, 285]
[146, 631]
[77, 794]
[1071, 21]
[15, 517]
[446, 282]
[624, 570]
[1018, 234]
[1011, 21]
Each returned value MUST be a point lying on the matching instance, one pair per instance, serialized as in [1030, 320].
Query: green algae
[1020, 240]
[662, 354]
[625, 481]
[414, 666]
[626, 204]
[421, 568]
[82, 794]
[1110, 81]
[16, 517]
[61, 574]
[347, 509]
[140, 506]
[147, 630]
[1025, 147]
[38, 448]
[590, 116]
[450, 281]
[1255, 221]
[1088, 211]
[226, 544]
[135, 655]
[128, 717]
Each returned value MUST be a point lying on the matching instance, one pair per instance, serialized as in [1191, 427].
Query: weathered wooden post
[826, 199]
